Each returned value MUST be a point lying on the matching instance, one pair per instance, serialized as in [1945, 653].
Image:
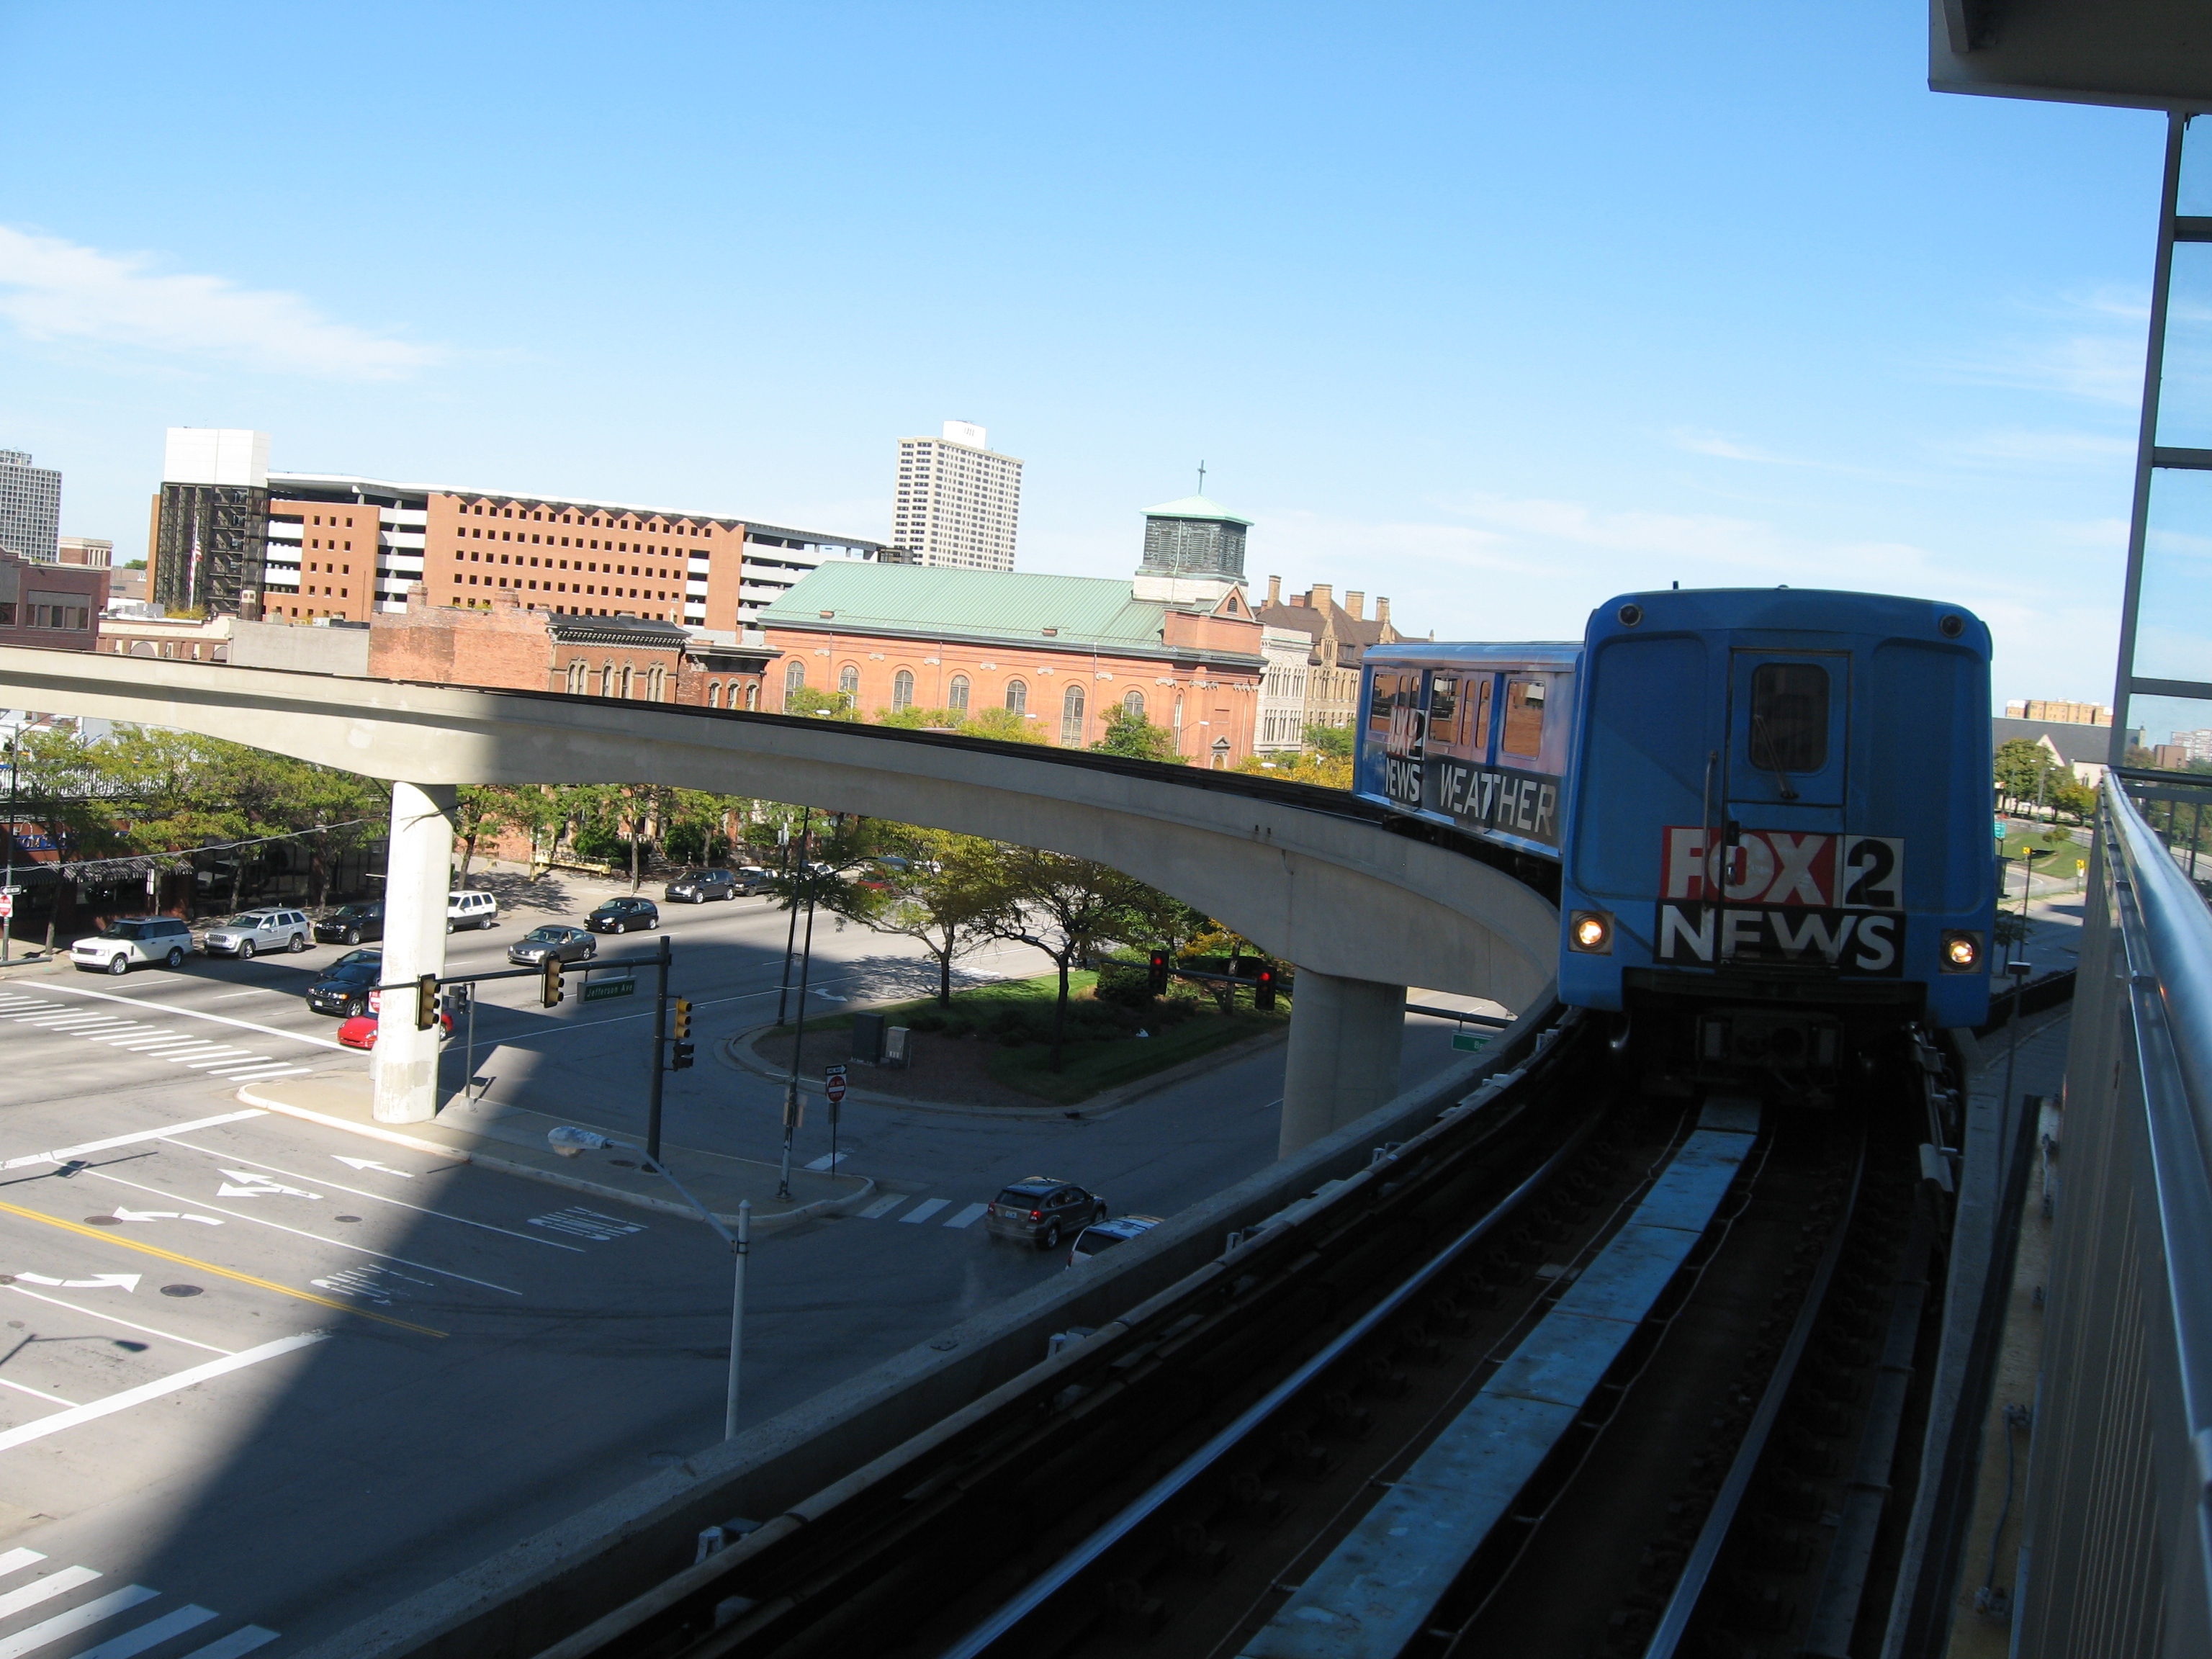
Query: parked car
[352, 956]
[471, 908]
[343, 988]
[252, 932]
[349, 924]
[129, 940]
[1105, 1235]
[569, 944]
[751, 879]
[1041, 1210]
[620, 916]
[360, 1031]
[701, 887]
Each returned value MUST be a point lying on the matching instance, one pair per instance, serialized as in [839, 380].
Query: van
[471, 909]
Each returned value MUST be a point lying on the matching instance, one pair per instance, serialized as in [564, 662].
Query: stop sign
[833, 1084]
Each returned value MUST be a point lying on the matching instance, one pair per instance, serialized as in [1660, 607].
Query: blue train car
[1475, 736]
[1778, 823]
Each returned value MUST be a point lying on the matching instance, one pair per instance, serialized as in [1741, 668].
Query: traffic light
[426, 1003]
[1263, 990]
[680, 1055]
[1156, 978]
[550, 993]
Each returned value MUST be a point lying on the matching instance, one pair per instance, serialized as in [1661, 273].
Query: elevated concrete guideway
[1361, 907]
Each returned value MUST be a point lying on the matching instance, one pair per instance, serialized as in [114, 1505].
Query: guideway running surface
[1377, 1590]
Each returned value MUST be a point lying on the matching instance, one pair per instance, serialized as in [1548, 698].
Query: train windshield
[1789, 717]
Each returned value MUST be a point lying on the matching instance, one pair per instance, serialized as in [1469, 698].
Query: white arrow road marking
[105, 1281]
[258, 1187]
[371, 1164]
[122, 1214]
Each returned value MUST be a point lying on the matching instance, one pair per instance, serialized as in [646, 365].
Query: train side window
[1789, 717]
[1384, 700]
[1524, 717]
[1479, 745]
[1444, 705]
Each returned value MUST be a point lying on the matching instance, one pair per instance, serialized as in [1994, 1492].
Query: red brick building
[56, 606]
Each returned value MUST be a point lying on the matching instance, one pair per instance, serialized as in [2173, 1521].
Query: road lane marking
[369, 1164]
[167, 1336]
[107, 1237]
[76, 1618]
[151, 1634]
[64, 1154]
[362, 1192]
[579, 1223]
[231, 1646]
[926, 1208]
[968, 1217]
[261, 1074]
[829, 1161]
[25, 1387]
[15, 1558]
[43, 1426]
[54, 1584]
[296, 1232]
[884, 1206]
[194, 1013]
[129, 1282]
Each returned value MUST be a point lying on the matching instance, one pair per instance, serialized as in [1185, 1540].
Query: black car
[622, 914]
[569, 944]
[344, 990]
[349, 924]
[701, 886]
[1039, 1210]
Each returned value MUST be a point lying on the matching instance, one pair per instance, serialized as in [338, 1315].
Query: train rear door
[1789, 730]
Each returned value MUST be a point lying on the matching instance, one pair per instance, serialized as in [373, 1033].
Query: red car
[360, 1031]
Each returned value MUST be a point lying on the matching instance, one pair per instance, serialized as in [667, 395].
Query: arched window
[794, 677]
[1017, 697]
[657, 683]
[956, 694]
[1134, 702]
[1071, 715]
[751, 691]
[579, 674]
[606, 679]
[629, 681]
[713, 694]
[849, 680]
[902, 690]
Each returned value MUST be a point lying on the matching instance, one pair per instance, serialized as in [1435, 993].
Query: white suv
[471, 909]
[242, 936]
[130, 939]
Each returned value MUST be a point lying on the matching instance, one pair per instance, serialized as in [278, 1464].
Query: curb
[735, 1052]
[761, 1225]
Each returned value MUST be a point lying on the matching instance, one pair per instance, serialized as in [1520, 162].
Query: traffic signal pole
[659, 1038]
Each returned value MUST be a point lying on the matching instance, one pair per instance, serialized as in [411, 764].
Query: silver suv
[130, 940]
[244, 936]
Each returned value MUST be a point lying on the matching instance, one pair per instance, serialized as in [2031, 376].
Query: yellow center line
[209, 1266]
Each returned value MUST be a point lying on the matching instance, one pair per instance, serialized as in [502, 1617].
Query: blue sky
[1497, 310]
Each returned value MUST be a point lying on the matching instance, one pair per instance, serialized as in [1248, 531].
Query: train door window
[1789, 717]
[1479, 745]
[1385, 698]
[1524, 718]
[1443, 710]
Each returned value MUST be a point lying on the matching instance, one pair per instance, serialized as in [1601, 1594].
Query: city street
[261, 1377]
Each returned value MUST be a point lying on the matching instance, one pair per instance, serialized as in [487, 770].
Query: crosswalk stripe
[76, 1618]
[884, 1206]
[214, 1057]
[251, 1075]
[44, 1590]
[15, 1558]
[151, 1634]
[829, 1160]
[926, 1208]
[968, 1217]
[238, 1642]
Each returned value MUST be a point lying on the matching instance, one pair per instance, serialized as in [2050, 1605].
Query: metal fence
[2117, 1551]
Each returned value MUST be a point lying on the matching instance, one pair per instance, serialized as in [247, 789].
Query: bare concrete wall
[300, 649]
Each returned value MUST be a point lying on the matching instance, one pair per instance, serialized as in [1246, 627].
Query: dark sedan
[344, 989]
[569, 944]
[701, 887]
[1040, 1211]
[622, 914]
[349, 924]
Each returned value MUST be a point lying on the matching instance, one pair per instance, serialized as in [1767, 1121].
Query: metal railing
[2116, 1556]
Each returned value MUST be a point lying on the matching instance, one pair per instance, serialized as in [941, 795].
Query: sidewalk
[512, 1139]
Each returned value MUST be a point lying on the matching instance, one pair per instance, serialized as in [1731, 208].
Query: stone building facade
[1337, 637]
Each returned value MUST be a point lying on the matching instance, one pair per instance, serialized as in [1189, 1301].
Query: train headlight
[1590, 932]
[1962, 952]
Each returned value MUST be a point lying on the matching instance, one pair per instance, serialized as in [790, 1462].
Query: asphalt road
[259, 1378]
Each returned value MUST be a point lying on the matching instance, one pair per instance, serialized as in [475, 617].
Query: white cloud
[56, 290]
[1712, 443]
[2039, 449]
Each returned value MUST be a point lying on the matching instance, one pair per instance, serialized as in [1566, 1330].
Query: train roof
[1524, 653]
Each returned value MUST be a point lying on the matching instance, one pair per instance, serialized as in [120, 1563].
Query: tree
[2026, 770]
[1332, 740]
[1129, 733]
[1002, 724]
[916, 719]
[480, 809]
[1302, 766]
[940, 897]
[1068, 908]
[812, 700]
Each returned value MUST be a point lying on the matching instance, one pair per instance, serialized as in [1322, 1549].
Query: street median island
[992, 1047]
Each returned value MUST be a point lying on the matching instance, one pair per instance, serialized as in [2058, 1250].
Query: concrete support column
[1345, 1038]
[403, 1065]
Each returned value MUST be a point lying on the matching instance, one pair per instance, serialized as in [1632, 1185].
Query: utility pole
[797, 1044]
[790, 934]
[8, 921]
[659, 1040]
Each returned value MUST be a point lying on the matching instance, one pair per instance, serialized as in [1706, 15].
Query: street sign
[605, 989]
[833, 1083]
[375, 1002]
[1469, 1042]
[7, 904]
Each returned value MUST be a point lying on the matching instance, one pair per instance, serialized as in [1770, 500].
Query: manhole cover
[180, 1290]
[347, 1217]
[103, 1221]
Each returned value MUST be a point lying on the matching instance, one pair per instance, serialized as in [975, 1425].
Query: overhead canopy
[2141, 54]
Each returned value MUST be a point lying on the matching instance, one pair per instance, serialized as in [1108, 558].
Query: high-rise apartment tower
[958, 500]
[30, 507]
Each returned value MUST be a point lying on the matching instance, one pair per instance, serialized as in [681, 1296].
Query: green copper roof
[974, 604]
[1194, 506]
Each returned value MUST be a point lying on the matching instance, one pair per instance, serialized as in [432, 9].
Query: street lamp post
[8, 921]
[569, 1141]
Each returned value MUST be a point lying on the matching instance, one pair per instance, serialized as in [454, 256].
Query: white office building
[958, 500]
[31, 507]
